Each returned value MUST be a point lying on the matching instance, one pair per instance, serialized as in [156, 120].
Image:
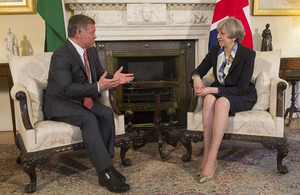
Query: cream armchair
[264, 123]
[39, 139]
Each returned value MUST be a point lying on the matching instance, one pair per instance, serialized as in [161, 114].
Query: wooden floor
[6, 137]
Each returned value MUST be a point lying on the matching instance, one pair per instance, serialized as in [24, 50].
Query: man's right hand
[105, 83]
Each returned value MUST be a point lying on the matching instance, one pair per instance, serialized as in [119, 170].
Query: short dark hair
[78, 22]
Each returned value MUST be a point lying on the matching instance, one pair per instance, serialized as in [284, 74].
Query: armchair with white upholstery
[39, 139]
[264, 123]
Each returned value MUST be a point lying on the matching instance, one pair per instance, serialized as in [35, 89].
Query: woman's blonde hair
[234, 27]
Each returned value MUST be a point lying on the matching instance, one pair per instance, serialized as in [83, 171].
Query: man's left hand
[124, 78]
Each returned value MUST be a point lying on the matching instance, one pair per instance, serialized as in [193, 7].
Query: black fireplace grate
[135, 94]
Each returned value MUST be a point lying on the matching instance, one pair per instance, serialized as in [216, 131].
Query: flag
[53, 12]
[238, 9]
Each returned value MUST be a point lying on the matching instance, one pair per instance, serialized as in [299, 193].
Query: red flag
[238, 9]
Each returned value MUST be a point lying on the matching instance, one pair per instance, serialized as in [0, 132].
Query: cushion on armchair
[268, 61]
[243, 123]
[262, 86]
[35, 66]
[36, 91]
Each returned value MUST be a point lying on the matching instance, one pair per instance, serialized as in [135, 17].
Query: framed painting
[276, 7]
[17, 6]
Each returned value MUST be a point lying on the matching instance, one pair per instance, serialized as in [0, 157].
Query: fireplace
[171, 60]
[171, 39]
[147, 68]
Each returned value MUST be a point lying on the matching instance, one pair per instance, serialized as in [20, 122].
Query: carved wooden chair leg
[124, 142]
[17, 142]
[187, 138]
[282, 151]
[29, 168]
[168, 139]
[186, 142]
[18, 160]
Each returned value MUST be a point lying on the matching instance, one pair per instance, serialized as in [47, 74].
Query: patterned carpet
[244, 168]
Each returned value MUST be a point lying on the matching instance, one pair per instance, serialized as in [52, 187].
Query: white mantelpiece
[149, 19]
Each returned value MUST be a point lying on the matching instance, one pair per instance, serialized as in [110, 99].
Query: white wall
[285, 32]
[31, 26]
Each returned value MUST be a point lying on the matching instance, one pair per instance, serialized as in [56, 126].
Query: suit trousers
[98, 132]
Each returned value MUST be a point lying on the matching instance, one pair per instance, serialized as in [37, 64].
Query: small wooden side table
[157, 131]
[291, 64]
[5, 72]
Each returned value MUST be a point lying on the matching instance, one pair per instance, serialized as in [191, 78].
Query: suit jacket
[68, 82]
[238, 80]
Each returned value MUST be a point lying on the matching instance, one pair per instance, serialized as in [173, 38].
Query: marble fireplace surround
[126, 20]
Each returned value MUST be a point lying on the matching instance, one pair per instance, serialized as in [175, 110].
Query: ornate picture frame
[276, 7]
[17, 7]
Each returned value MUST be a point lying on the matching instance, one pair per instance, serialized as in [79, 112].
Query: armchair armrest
[113, 101]
[278, 86]
[20, 94]
[108, 99]
[194, 102]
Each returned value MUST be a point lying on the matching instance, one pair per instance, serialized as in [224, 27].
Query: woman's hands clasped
[200, 90]
[198, 86]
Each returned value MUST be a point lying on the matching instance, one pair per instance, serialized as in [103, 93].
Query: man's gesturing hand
[119, 78]
[124, 78]
[105, 83]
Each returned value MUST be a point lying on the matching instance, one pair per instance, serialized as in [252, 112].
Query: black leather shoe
[118, 174]
[112, 182]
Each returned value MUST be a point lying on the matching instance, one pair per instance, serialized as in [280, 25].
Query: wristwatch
[194, 76]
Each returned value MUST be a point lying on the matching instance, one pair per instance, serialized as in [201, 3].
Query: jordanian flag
[238, 9]
[53, 12]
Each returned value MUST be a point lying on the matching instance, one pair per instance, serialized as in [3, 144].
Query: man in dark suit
[75, 79]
